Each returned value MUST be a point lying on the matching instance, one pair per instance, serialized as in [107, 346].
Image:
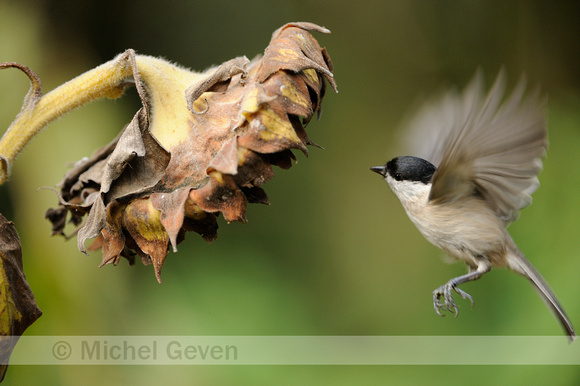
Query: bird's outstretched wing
[485, 144]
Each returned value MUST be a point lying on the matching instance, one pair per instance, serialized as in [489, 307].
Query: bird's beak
[382, 170]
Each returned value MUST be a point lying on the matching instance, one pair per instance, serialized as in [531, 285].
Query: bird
[477, 164]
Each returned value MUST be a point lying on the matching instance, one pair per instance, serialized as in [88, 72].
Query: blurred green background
[334, 253]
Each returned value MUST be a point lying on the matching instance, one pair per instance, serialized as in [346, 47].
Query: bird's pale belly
[464, 235]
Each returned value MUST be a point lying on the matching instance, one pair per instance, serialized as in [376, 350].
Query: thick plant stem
[107, 80]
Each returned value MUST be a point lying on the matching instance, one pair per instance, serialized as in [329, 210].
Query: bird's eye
[398, 176]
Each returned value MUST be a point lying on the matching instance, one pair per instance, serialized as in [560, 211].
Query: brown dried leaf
[18, 309]
[137, 164]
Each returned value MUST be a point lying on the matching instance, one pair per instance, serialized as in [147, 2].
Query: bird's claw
[446, 292]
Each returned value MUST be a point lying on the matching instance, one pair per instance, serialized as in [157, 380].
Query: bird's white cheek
[409, 191]
[394, 185]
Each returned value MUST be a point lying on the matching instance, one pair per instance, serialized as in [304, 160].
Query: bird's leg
[446, 290]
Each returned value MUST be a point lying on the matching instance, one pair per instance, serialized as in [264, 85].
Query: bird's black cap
[407, 168]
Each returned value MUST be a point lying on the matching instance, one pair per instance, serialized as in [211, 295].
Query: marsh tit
[480, 157]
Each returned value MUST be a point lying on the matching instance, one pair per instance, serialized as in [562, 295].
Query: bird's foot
[447, 303]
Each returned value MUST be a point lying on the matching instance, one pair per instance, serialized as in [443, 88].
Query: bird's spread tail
[520, 264]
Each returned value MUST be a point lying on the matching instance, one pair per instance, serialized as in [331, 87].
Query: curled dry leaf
[201, 145]
[18, 308]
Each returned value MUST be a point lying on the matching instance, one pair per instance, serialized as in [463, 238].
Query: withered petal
[142, 221]
[71, 178]
[255, 195]
[130, 145]
[113, 243]
[283, 159]
[290, 49]
[255, 96]
[57, 217]
[205, 226]
[226, 160]
[254, 169]
[96, 220]
[221, 194]
[96, 244]
[144, 171]
[222, 74]
[112, 234]
[301, 132]
[296, 95]
[94, 174]
[171, 205]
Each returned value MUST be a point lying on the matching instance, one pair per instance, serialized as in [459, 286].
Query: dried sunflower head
[201, 145]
